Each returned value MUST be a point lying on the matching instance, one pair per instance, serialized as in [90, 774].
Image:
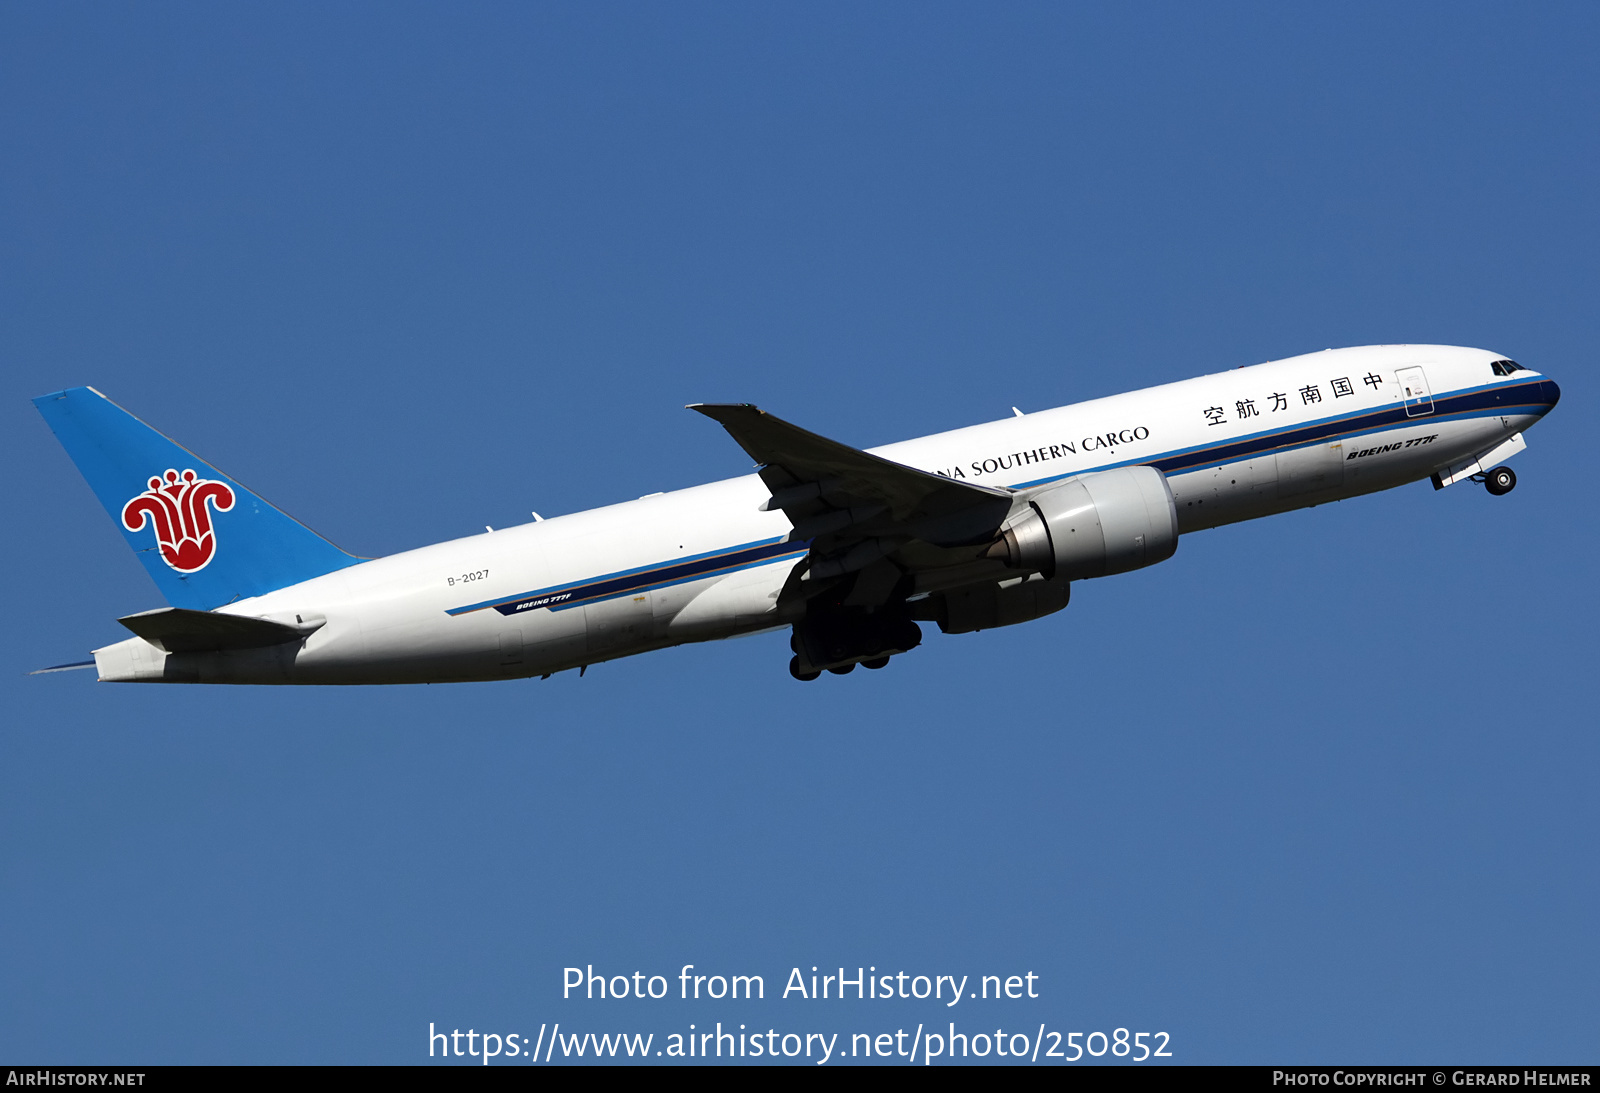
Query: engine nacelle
[1102, 523]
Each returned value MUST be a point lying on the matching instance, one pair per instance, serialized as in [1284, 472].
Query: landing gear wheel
[803, 677]
[1500, 481]
[843, 669]
[876, 663]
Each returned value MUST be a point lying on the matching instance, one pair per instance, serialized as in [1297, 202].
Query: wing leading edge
[865, 516]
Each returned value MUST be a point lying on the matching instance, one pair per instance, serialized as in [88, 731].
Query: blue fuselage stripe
[610, 585]
[1493, 400]
[1488, 401]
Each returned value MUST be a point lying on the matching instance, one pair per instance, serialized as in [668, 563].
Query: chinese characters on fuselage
[1310, 394]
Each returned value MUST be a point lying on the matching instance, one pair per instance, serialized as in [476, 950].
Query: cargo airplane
[847, 549]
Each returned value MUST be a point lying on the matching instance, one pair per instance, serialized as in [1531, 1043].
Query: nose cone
[1549, 394]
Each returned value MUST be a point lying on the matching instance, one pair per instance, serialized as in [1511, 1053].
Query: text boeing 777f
[980, 527]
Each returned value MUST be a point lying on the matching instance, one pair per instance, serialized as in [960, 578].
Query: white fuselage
[707, 562]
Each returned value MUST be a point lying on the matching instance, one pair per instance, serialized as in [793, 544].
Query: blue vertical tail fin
[204, 538]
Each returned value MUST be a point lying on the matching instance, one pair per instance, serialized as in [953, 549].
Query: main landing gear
[1500, 481]
[836, 641]
[838, 670]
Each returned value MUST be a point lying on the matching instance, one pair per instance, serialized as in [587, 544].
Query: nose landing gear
[1500, 481]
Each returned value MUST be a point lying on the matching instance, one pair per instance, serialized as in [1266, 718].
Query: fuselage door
[1414, 389]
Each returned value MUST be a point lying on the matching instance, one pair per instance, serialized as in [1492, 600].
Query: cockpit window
[1505, 368]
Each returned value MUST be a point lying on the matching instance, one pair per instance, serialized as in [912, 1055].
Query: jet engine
[1095, 525]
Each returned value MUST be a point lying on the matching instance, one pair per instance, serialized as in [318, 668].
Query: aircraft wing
[857, 508]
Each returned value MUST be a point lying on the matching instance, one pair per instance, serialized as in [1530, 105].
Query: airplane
[849, 550]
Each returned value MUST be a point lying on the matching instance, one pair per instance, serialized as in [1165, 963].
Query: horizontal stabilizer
[179, 630]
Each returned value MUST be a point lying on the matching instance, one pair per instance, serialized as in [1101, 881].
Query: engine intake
[1101, 523]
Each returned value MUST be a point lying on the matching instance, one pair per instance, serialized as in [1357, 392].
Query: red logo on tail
[176, 508]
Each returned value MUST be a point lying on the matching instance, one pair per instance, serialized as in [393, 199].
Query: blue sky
[1318, 789]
